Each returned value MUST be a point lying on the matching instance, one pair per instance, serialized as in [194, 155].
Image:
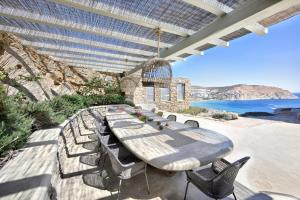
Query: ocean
[242, 106]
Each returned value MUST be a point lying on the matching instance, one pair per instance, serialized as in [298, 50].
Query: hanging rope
[157, 31]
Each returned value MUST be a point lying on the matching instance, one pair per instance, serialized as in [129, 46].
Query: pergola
[118, 35]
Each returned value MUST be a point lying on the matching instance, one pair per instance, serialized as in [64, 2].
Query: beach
[273, 146]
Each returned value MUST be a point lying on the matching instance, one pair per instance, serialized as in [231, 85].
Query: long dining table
[177, 147]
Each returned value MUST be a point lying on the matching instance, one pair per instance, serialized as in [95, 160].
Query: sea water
[242, 106]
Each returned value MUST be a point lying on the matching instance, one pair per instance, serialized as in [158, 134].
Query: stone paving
[55, 166]
[28, 175]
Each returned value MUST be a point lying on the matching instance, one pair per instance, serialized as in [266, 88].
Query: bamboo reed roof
[120, 33]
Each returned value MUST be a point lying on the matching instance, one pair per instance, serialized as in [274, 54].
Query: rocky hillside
[37, 76]
[240, 92]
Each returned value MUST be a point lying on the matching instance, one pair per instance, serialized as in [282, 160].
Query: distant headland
[240, 92]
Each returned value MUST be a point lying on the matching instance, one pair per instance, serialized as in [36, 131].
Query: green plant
[160, 113]
[143, 118]
[15, 126]
[30, 77]
[3, 74]
[194, 110]
[112, 88]
[129, 102]
[66, 105]
[19, 116]
[42, 115]
[99, 86]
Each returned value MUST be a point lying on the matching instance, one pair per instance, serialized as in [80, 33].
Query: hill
[240, 92]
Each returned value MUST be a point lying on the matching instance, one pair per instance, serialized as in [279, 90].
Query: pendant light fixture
[157, 70]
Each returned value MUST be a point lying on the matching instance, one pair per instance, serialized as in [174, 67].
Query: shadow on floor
[12, 187]
[40, 143]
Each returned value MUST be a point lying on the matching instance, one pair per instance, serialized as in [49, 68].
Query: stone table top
[175, 148]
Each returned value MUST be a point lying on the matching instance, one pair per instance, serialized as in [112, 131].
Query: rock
[38, 76]
[225, 116]
[256, 114]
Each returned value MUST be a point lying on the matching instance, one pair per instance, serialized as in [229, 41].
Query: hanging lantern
[157, 70]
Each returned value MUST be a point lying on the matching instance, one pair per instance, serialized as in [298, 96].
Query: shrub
[15, 126]
[160, 113]
[225, 116]
[129, 102]
[66, 105]
[42, 115]
[19, 117]
[194, 110]
[112, 88]
[143, 118]
[99, 86]
[30, 77]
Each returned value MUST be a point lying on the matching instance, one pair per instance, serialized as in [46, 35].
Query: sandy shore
[274, 147]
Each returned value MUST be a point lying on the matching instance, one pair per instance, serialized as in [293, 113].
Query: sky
[272, 59]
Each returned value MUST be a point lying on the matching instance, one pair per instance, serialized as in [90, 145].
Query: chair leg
[234, 195]
[146, 177]
[186, 189]
[119, 188]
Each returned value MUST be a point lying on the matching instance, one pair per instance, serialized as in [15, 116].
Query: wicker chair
[217, 180]
[99, 118]
[125, 165]
[192, 123]
[106, 139]
[172, 118]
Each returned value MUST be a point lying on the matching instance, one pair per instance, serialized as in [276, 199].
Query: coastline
[243, 106]
[297, 94]
[195, 100]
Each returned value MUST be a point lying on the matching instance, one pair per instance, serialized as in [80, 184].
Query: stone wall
[38, 76]
[133, 87]
[174, 104]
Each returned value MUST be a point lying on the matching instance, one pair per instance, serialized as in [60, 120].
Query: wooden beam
[195, 52]
[219, 42]
[76, 40]
[125, 15]
[86, 58]
[113, 66]
[254, 10]
[257, 28]
[177, 58]
[212, 6]
[84, 28]
[220, 9]
[79, 50]
[97, 68]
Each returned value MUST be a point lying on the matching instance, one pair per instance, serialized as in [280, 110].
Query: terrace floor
[77, 174]
[79, 167]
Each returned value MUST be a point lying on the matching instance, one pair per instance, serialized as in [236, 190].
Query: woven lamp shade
[157, 70]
